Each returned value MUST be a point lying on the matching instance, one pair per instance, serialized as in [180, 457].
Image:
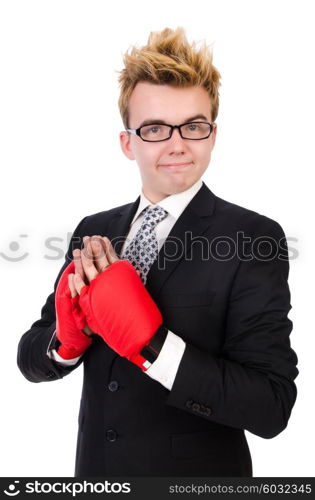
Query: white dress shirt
[165, 367]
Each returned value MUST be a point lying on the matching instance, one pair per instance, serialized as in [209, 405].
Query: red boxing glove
[70, 320]
[119, 308]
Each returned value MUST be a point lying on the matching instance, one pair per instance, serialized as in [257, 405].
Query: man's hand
[97, 254]
[93, 249]
[116, 304]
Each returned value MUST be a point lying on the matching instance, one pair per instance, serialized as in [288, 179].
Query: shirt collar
[174, 204]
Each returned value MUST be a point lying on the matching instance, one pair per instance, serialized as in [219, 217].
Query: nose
[176, 144]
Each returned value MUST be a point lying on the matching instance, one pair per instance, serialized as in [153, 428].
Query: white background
[60, 160]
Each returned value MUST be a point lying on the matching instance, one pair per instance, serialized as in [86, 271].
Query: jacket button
[113, 385]
[111, 435]
[50, 375]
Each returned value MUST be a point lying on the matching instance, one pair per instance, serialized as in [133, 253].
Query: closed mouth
[182, 164]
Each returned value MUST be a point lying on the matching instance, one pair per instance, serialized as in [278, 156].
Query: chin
[181, 185]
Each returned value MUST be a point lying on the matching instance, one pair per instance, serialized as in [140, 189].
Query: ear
[214, 134]
[125, 145]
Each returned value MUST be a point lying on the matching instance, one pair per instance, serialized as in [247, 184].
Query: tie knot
[153, 215]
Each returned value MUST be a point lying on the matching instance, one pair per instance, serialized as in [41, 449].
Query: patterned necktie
[143, 249]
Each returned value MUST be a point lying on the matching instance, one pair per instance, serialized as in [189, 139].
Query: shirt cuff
[52, 354]
[165, 367]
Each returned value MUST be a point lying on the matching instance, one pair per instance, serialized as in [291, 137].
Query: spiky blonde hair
[168, 58]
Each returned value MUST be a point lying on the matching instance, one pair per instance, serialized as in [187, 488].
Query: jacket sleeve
[32, 358]
[251, 384]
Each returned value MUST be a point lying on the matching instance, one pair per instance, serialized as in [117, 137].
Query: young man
[177, 303]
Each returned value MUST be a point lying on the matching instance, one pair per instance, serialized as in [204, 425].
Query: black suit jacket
[237, 370]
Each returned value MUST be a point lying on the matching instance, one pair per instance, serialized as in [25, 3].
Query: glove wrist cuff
[70, 352]
[67, 351]
[151, 351]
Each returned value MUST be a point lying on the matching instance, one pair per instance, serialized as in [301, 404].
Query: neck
[154, 198]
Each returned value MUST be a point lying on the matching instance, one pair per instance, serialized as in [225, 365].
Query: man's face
[174, 165]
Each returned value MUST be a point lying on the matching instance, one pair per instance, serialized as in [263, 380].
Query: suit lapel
[192, 223]
[120, 224]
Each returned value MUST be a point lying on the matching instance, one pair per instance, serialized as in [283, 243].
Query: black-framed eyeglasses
[157, 132]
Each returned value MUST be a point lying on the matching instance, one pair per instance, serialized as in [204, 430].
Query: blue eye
[193, 127]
